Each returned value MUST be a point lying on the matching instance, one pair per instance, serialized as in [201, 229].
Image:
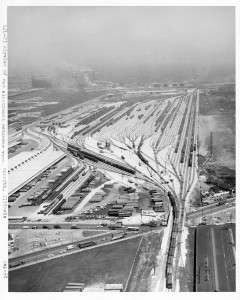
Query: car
[56, 226]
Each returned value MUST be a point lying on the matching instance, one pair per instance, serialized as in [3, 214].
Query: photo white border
[3, 110]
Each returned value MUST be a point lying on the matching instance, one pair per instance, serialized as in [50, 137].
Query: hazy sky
[120, 36]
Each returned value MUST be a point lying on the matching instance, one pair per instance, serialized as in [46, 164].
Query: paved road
[53, 225]
[44, 253]
[102, 239]
[210, 209]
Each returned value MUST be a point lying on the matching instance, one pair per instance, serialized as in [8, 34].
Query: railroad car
[144, 160]
[15, 264]
[133, 228]
[190, 160]
[169, 281]
[86, 244]
[74, 150]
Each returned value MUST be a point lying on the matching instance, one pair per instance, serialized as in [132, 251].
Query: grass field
[107, 264]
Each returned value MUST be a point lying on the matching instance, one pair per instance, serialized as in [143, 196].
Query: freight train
[172, 244]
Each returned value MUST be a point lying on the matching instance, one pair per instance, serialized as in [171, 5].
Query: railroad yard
[117, 169]
[118, 138]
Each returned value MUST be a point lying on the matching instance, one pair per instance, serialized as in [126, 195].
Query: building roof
[28, 166]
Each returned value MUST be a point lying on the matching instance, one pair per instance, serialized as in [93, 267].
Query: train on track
[172, 243]
[84, 153]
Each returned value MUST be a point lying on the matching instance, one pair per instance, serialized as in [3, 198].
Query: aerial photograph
[121, 149]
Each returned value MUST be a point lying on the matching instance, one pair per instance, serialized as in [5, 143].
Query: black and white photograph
[120, 146]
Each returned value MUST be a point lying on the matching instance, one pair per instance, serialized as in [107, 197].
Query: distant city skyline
[124, 40]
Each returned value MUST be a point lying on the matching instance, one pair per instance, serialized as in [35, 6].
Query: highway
[45, 224]
[211, 209]
[49, 252]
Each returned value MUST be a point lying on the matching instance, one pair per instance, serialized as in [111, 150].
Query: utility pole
[211, 144]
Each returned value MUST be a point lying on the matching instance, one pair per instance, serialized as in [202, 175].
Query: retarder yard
[147, 154]
[152, 143]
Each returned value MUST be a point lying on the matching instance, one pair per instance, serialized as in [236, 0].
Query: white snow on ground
[133, 160]
[62, 131]
[160, 284]
[137, 219]
[81, 205]
[116, 104]
[182, 260]
[177, 287]
[127, 124]
[118, 144]
[122, 179]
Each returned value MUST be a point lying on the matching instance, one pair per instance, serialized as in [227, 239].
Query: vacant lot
[107, 264]
[146, 262]
[54, 100]
[217, 115]
[186, 274]
[223, 138]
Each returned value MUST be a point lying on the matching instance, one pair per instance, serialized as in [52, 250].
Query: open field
[107, 264]
[145, 263]
[223, 143]
[45, 102]
[186, 280]
[217, 115]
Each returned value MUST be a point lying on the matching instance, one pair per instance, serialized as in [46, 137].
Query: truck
[25, 227]
[115, 226]
[118, 235]
[75, 178]
[70, 247]
[132, 228]
[15, 264]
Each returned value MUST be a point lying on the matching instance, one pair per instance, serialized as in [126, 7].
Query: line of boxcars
[192, 145]
[172, 244]
[81, 153]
